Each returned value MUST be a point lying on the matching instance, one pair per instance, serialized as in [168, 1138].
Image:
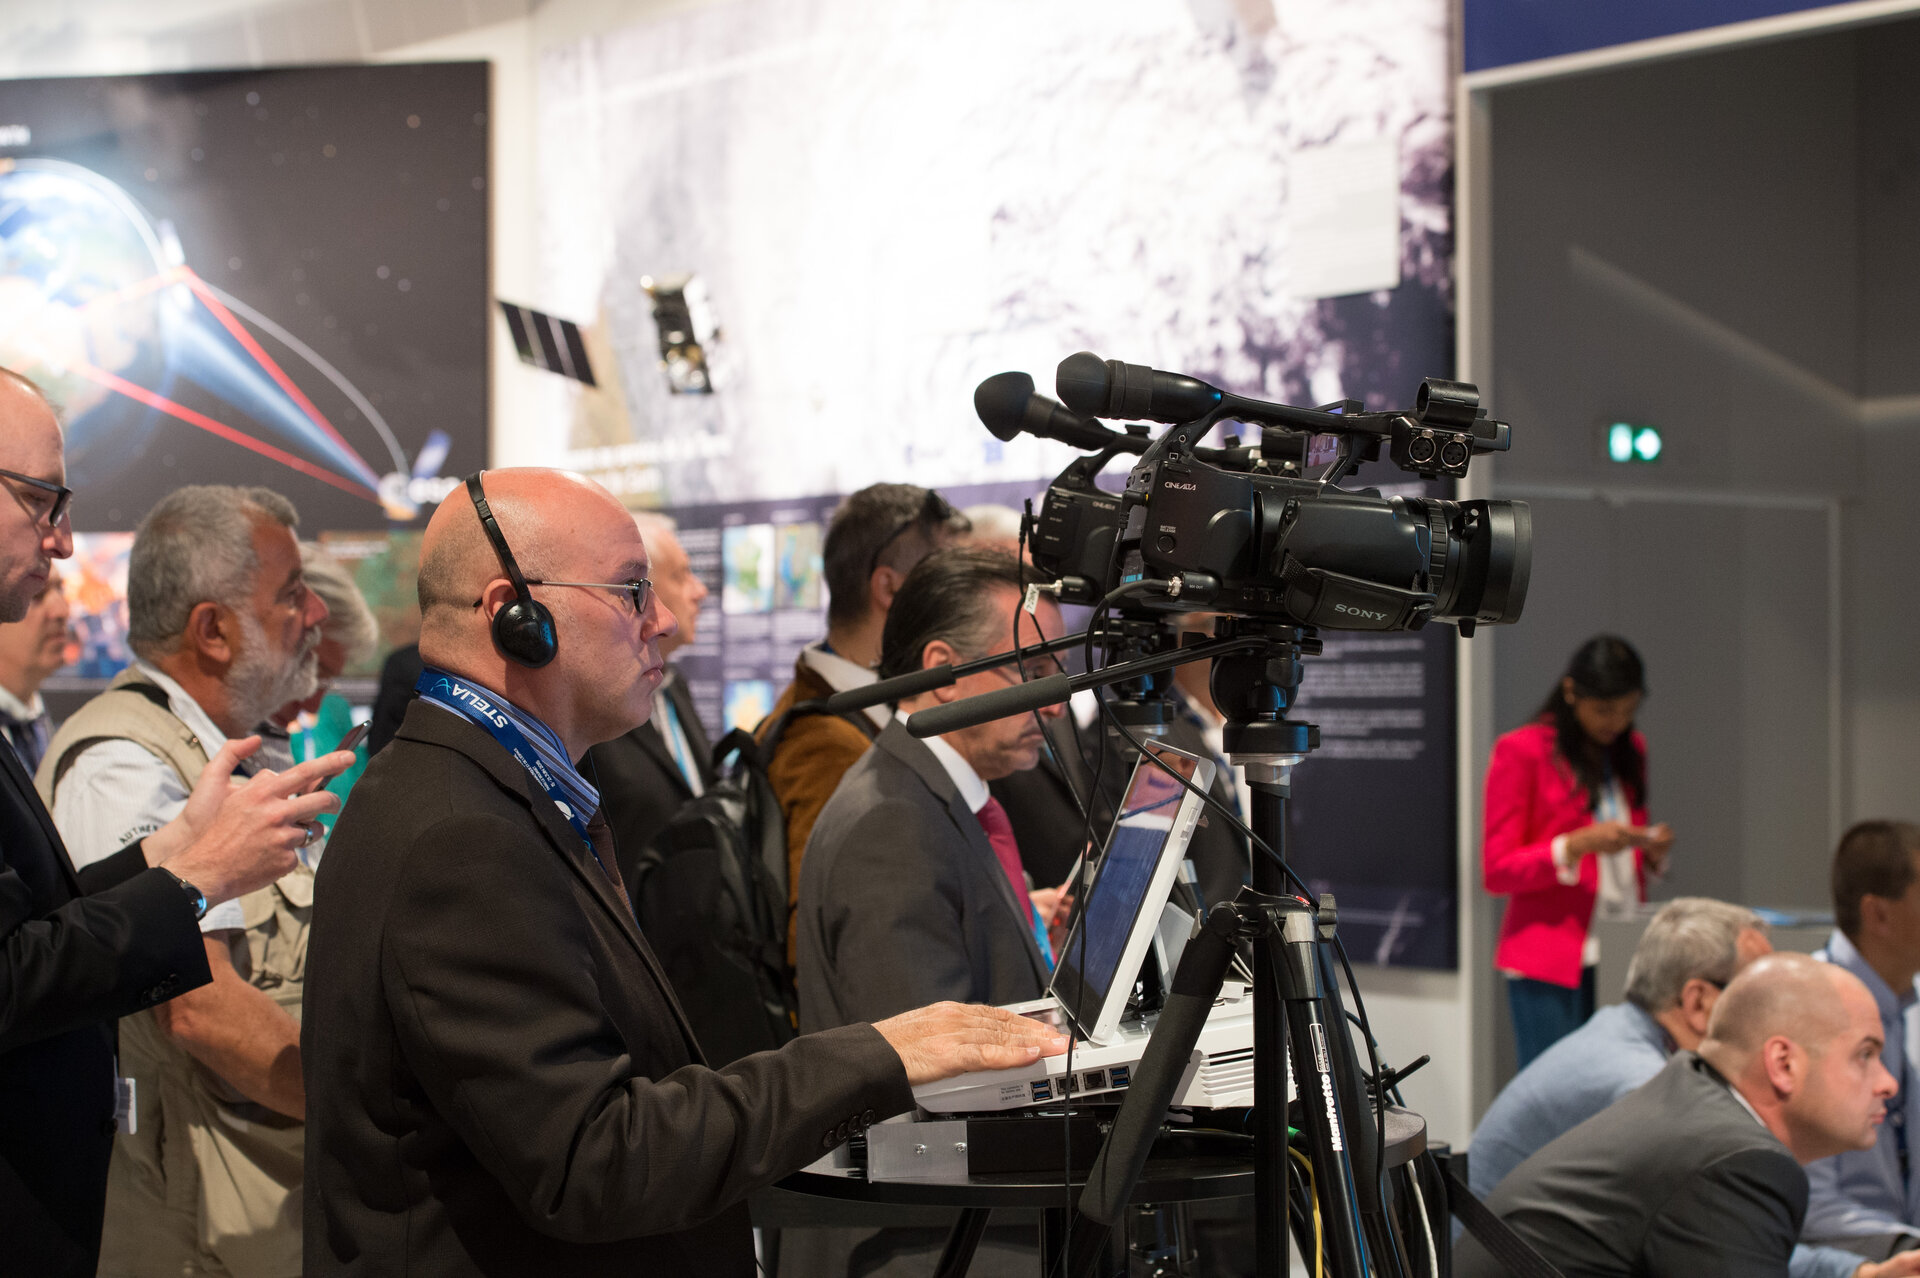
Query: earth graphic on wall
[79, 305]
[99, 306]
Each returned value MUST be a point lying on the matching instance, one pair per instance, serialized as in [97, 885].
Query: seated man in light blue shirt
[1869, 1200]
[1689, 952]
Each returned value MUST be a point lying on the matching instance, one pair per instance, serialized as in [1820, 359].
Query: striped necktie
[28, 737]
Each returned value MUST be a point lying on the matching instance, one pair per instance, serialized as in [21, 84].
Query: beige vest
[209, 1182]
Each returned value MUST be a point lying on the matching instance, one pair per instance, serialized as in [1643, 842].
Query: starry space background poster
[273, 277]
[868, 210]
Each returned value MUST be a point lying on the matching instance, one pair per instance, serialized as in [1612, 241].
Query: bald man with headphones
[499, 1079]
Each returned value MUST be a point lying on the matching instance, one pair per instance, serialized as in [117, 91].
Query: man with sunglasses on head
[500, 1080]
[78, 950]
[873, 541]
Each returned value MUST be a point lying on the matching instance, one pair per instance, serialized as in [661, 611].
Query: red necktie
[993, 819]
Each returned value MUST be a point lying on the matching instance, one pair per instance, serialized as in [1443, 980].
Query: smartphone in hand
[355, 735]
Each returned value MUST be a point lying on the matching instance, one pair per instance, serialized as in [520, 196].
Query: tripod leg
[1319, 1097]
[1270, 1170]
[962, 1242]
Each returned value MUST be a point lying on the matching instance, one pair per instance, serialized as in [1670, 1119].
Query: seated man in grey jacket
[912, 885]
[1698, 1173]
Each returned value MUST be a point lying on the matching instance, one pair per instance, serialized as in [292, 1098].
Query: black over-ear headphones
[524, 628]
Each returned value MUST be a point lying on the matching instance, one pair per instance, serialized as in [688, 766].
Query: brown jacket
[813, 754]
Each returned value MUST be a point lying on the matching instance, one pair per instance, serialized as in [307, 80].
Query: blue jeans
[1544, 1013]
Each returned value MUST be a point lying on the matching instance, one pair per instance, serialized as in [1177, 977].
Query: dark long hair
[1606, 666]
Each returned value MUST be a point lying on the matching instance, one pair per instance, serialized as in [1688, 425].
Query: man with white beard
[225, 631]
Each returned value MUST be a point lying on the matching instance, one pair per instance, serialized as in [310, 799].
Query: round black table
[1185, 1166]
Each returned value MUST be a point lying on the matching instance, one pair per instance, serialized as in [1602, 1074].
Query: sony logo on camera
[1359, 612]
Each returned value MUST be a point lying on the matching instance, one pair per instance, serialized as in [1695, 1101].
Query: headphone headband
[524, 628]
[494, 535]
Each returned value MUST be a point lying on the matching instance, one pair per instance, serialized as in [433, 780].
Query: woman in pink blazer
[1567, 837]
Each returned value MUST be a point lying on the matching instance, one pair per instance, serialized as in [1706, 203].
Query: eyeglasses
[933, 512]
[1044, 666]
[639, 589]
[58, 504]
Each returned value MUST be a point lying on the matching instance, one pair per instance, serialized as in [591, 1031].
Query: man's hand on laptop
[947, 1039]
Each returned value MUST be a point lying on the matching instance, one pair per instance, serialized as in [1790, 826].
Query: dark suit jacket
[1676, 1180]
[499, 1080]
[641, 787]
[1048, 822]
[902, 902]
[77, 952]
[398, 674]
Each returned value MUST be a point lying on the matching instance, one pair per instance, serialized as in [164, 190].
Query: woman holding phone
[1567, 838]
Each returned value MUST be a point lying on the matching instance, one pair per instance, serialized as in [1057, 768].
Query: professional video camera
[1255, 534]
[1246, 530]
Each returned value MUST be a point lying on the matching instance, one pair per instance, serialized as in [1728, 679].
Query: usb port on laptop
[1042, 1090]
[1120, 1075]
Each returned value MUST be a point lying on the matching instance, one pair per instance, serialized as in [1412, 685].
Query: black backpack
[711, 895]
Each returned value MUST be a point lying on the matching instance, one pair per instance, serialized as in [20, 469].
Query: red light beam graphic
[153, 399]
[139, 288]
[273, 370]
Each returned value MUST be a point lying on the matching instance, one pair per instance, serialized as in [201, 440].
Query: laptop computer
[1113, 931]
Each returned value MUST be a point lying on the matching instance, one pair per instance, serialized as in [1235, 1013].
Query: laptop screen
[1122, 905]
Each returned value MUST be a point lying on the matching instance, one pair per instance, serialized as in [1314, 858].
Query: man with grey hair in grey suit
[912, 887]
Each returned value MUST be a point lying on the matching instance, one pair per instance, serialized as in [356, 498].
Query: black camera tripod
[1300, 1021]
[1300, 1031]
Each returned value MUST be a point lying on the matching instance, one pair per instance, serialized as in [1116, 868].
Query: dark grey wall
[1724, 245]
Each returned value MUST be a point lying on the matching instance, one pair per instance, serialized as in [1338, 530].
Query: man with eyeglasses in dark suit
[79, 950]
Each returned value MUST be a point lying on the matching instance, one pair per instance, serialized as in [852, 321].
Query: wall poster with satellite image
[273, 277]
[797, 236]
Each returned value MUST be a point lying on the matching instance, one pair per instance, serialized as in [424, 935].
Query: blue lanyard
[476, 704]
[1039, 927]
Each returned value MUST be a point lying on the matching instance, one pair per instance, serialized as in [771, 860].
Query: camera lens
[1499, 559]
[1482, 559]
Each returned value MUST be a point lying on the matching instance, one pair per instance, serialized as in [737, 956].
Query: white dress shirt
[117, 791]
[965, 779]
[1618, 886]
[843, 676]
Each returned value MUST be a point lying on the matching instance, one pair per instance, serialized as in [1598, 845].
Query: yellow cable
[1319, 1247]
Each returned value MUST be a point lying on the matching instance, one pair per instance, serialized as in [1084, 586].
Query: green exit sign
[1627, 442]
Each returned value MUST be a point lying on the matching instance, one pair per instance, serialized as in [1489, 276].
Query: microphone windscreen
[1081, 383]
[1001, 403]
[898, 688]
[1018, 698]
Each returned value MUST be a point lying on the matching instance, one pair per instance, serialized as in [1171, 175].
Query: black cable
[1373, 1058]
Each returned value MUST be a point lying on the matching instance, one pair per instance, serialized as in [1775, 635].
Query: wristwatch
[195, 897]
